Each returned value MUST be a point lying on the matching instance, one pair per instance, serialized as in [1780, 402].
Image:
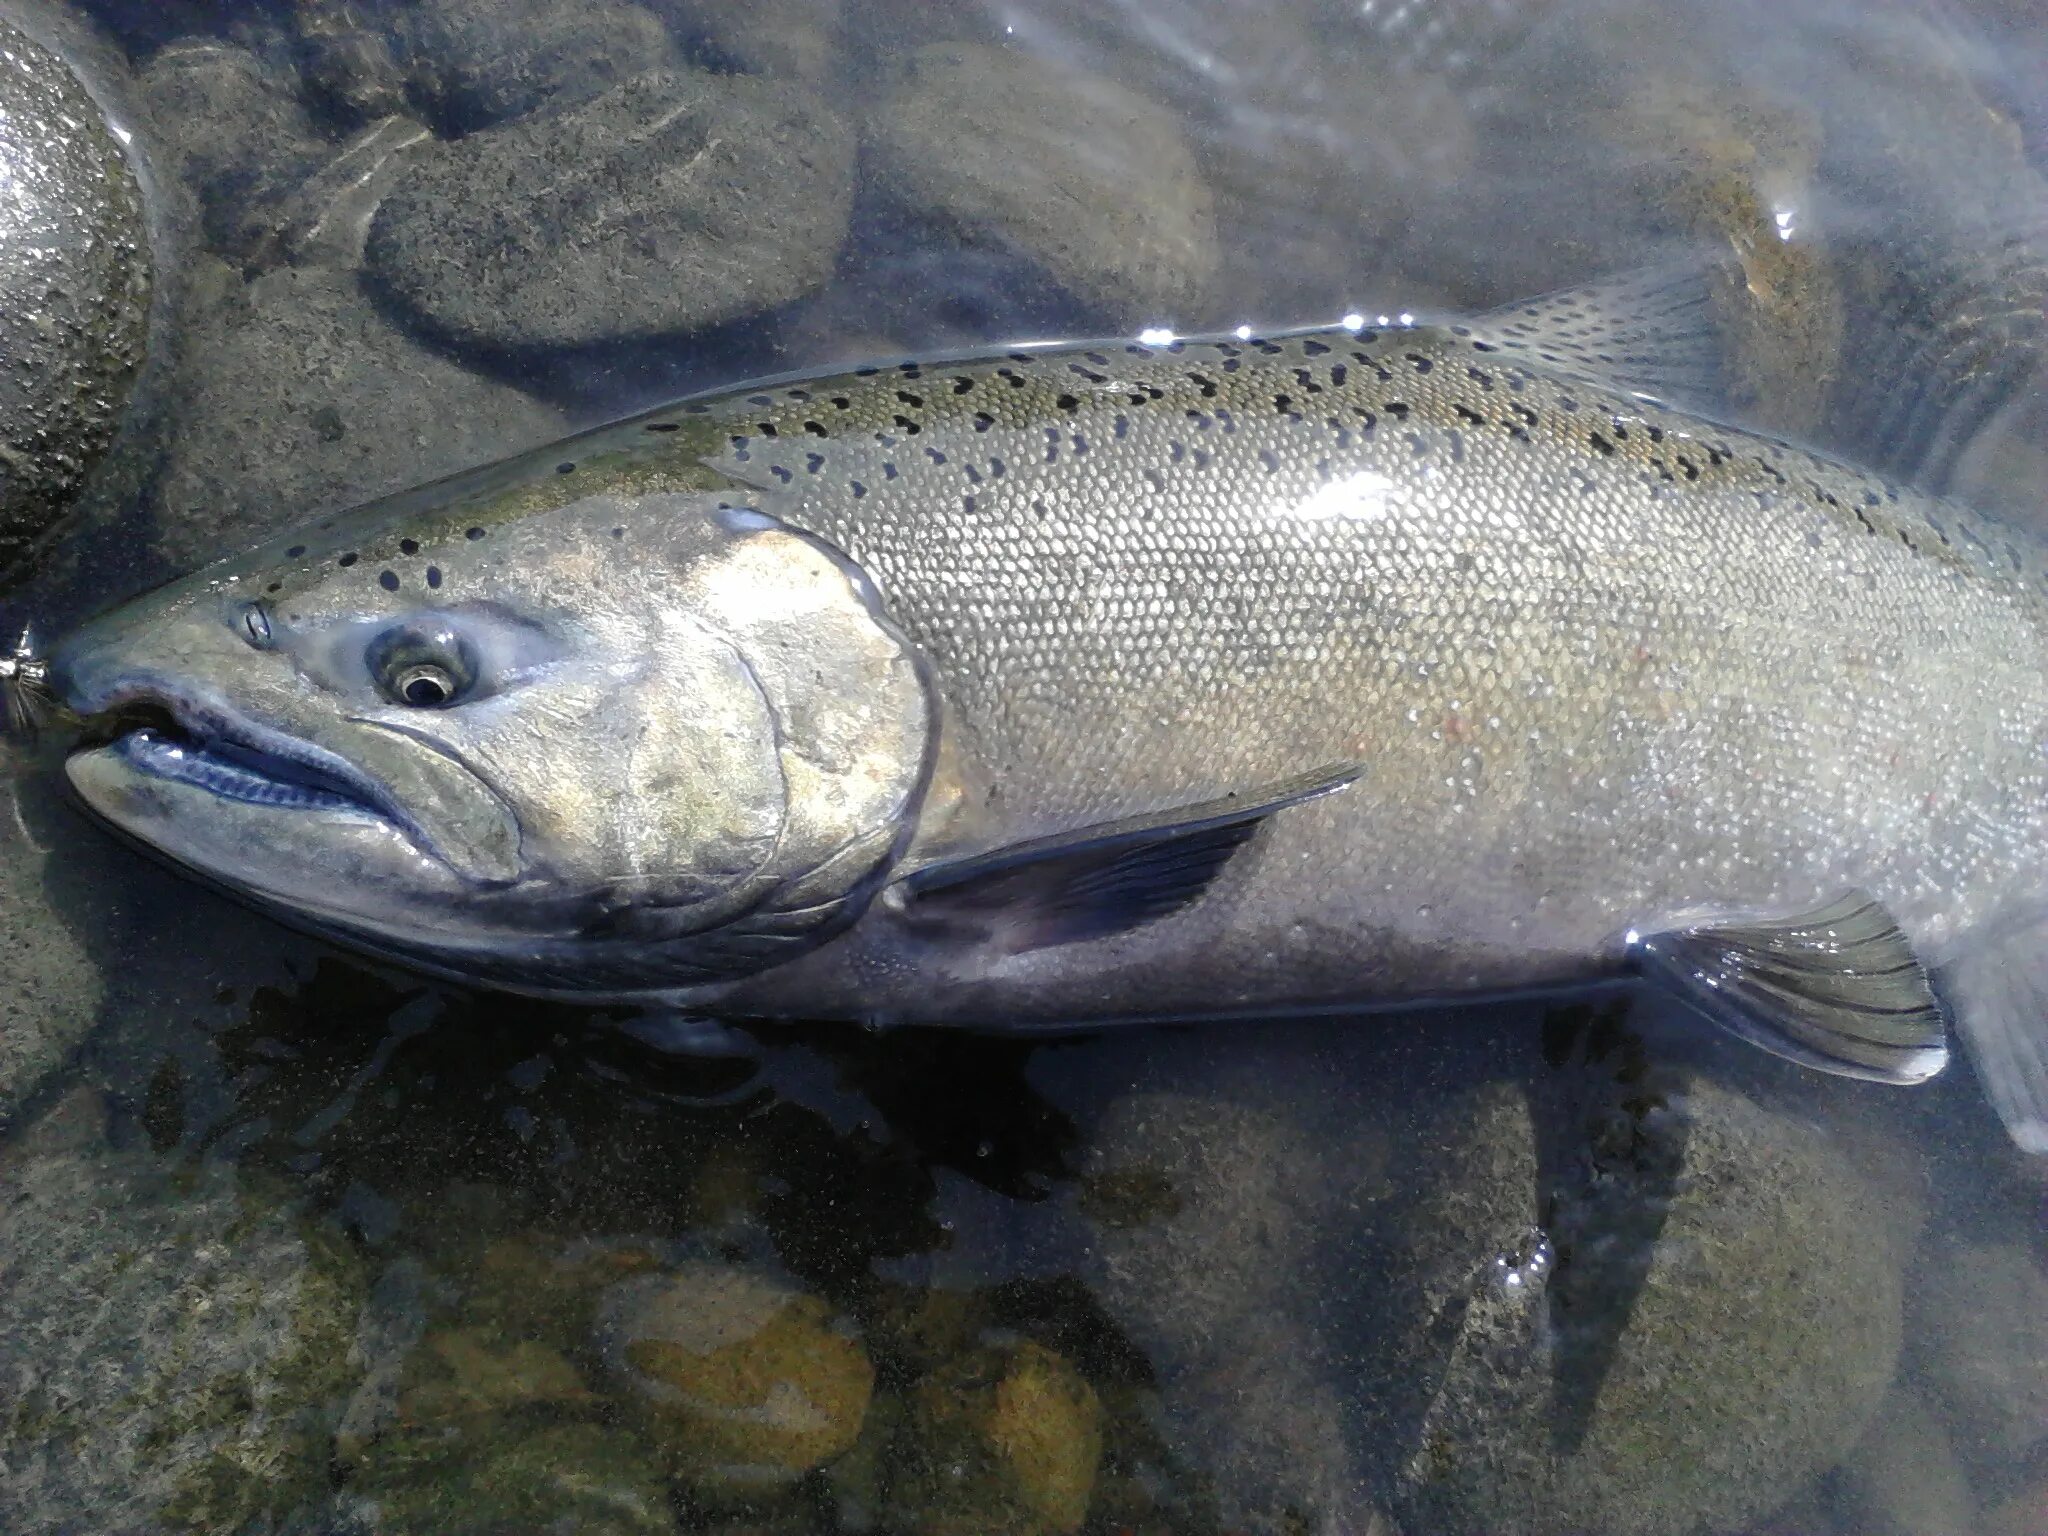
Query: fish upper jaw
[157, 729]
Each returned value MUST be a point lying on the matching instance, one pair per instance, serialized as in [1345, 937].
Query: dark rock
[1208, 1210]
[1983, 1310]
[75, 275]
[304, 400]
[346, 63]
[479, 62]
[798, 38]
[1093, 182]
[235, 135]
[674, 202]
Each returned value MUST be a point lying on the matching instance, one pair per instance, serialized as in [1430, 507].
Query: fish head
[608, 746]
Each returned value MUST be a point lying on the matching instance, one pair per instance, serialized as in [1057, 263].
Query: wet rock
[744, 1382]
[1719, 1326]
[1312, 197]
[50, 991]
[176, 1343]
[585, 1479]
[1206, 1212]
[305, 400]
[1984, 1315]
[230, 130]
[1001, 1442]
[798, 38]
[74, 288]
[479, 62]
[1091, 181]
[673, 202]
[346, 63]
[1904, 1479]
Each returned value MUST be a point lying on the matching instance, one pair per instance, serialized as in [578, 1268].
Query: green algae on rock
[1004, 1441]
[744, 1382]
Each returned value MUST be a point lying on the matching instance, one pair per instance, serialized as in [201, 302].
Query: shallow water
[289, 1243]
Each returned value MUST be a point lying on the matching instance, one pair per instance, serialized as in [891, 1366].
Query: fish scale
[1152, 572]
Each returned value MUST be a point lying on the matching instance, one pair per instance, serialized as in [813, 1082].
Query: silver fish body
[1599, 670]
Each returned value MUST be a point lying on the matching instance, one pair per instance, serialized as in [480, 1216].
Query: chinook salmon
[1117, 681]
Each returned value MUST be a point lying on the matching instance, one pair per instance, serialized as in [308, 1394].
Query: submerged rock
[1206, 1215]
[303, 400]
[1004, 1441]
[176, 1346]
[1719, 1326]
[1984, 1315]
[673, 202]
[50, 992]
[345, 61]
[1091, 181]
[461, 1373]
[799, 38]
[1904, 1479]
[479, 62]
[231, 130]
[75, 272]
[743, 1382]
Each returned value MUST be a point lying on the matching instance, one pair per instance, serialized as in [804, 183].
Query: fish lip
[251, 747]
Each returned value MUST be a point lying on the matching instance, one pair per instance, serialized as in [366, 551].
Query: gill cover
[850, 742]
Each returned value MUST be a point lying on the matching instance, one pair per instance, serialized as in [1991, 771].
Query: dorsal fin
[1649, 333]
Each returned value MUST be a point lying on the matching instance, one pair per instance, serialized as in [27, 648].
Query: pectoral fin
[1838, 989]
[1099, 880]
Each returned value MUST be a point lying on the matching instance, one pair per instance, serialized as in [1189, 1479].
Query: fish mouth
[161, 734]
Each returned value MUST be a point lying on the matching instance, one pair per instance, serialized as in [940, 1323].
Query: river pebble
[1089, 179]
[744, 1382]
[673, 202]
[480, 62]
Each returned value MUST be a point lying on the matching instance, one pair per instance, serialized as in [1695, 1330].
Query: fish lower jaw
[160, 756]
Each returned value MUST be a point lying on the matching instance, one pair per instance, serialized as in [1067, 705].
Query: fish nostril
[256, 626]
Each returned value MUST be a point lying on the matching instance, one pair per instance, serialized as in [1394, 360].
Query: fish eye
[422, 666]
[256, 626]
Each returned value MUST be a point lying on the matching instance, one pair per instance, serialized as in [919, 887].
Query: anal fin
[1998, 988]
[1839, 989]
